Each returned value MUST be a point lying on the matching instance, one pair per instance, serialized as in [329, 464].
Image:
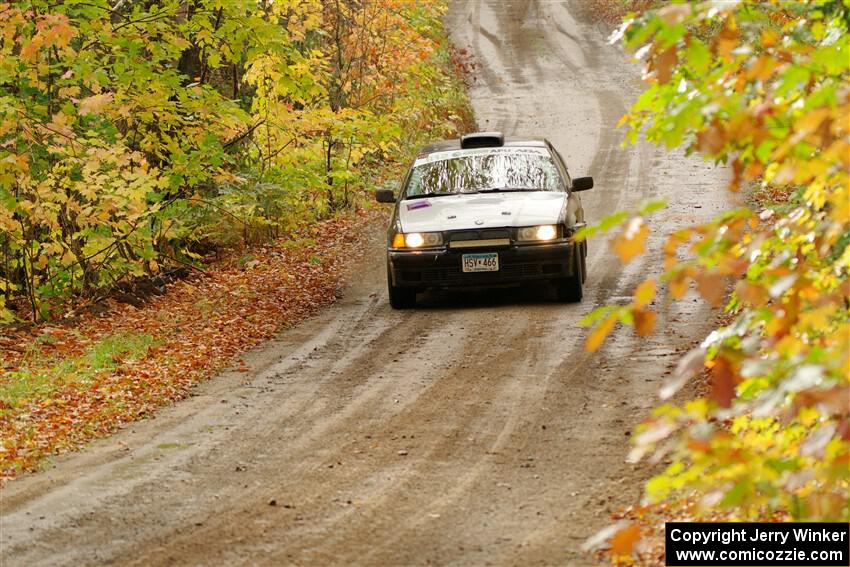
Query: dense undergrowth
[135, 136]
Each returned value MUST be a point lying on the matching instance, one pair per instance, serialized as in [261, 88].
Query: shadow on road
[537, 293]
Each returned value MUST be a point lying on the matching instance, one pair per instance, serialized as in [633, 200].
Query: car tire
[583, 261]
[569, 290]
[400, 297]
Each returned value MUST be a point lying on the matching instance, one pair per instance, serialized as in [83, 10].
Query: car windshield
[489, 169]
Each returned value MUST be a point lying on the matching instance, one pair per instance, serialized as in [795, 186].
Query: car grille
[436, 275]
[483, 234]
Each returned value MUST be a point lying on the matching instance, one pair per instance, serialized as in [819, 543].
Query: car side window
[563, 167]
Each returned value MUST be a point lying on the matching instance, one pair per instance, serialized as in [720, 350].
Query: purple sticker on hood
[418, 205]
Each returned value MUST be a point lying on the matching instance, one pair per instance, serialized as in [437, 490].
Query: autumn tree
[132, 132]
[763, 87]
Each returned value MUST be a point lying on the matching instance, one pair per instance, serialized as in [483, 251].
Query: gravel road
[473, 430]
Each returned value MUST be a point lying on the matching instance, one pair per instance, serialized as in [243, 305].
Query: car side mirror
[582, 183]
[385, 195]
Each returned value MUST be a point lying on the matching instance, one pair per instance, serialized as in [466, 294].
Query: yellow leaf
[816, 319]
[67, 258]
[811, 121]
[761, 69]
[769, 37]
[645, 292]
[94, 104]
[597, 336]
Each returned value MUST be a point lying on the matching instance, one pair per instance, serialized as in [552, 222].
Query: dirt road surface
[474, 430]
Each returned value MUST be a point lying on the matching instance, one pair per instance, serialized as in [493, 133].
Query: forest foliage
[764, 87]
[136, 135]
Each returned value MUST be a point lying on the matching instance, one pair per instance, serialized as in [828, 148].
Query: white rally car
[483, 211]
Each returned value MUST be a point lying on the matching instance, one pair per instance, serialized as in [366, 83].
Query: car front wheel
[400, 297]
[569, 290]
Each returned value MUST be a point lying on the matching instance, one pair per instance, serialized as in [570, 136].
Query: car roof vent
[482, 140]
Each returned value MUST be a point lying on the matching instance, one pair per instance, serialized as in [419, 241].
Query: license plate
[488, 262]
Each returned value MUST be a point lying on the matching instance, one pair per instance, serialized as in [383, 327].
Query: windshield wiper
[506, 189]
[486, 190]
[424, 195]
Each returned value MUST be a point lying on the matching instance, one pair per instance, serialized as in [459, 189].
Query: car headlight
[417, 240]
[542, 232]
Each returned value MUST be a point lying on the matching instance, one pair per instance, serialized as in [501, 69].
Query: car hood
[457, 212]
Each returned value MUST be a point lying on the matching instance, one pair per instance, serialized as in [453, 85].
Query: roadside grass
[41, 374]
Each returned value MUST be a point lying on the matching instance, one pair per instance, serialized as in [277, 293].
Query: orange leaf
[751, 293]
[644, 322]
[811, 121]
[710, 286]
[631, 243]
[597, 336]
[664, 64]
[723, 380]
[727, 39]
[753, 170]
[712, 140]
[678, 285]
[737, 173]
[671, 246]
[832, 401]
[623, 542]
[731, 266]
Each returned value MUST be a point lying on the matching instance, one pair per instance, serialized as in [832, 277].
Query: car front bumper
[442, 268]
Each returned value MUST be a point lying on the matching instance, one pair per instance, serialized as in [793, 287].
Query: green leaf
[737, 494]
[698, 56]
